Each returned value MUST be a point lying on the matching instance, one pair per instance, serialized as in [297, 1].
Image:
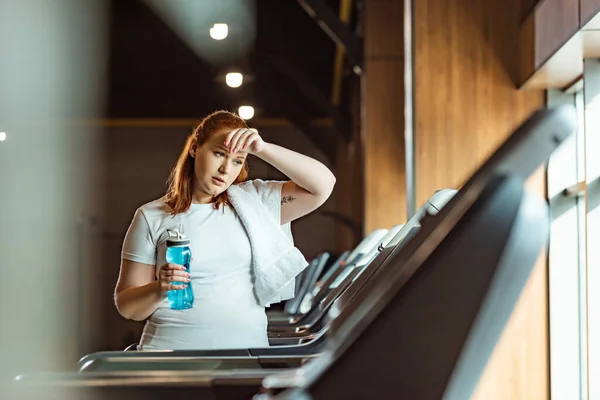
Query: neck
[202, 198]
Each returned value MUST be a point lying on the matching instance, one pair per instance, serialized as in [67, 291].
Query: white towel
[275, 260]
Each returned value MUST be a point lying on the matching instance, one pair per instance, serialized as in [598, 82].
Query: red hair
[180, 185]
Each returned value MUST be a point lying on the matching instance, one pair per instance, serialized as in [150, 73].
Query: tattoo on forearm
[287, 199]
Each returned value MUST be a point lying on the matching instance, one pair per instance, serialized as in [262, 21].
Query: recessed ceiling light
[246, 112]
[234, 79]
[219, 31]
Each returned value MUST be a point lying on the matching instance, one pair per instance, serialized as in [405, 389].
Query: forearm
[138, 303]
[306, 172]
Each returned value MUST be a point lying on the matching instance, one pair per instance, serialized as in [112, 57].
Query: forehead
[218, 137]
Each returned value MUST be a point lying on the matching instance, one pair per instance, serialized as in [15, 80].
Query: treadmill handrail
[385, 240]
[308, 281]
[316, 314]
[375, 240]
[340, 261]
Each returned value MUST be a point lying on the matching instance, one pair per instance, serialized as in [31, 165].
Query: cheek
[198, 166]
[239, 170]
[204, 165]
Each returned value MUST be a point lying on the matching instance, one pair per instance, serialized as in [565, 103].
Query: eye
[219, 154]
[238, 162]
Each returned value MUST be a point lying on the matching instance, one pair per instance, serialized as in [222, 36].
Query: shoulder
[267, 193]
[154, 210]
[263, 188]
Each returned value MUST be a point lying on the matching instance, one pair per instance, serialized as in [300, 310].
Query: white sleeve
[138, 245]
[270, 195]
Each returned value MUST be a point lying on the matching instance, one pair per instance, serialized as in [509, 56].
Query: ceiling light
[219, 31]
[246, 112]
[2, 136]
[234, 79]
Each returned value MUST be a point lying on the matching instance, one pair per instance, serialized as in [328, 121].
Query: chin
[215, 191]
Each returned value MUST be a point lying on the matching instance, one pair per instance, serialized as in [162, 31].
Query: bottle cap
[177, 237]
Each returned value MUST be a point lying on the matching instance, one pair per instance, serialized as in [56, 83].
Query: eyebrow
[221, 147]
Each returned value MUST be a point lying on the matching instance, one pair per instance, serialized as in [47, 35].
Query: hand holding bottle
[172, 277]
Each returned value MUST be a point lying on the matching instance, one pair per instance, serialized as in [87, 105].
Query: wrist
[156, 290]
[261, 151]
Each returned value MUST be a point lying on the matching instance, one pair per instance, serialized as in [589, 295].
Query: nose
[224, 168]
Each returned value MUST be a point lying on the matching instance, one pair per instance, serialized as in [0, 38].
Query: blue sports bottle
[178, 252]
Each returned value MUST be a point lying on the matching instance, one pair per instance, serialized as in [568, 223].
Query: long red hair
[180, 185]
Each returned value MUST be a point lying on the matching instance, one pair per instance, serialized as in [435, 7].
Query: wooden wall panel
[588, 9]
[344, 238]
[556, 21]
[544, 32]
[466, 103]
[384, 31]
[350, 179]
[552, 45]
[465, 100]
[527, 7]
[383, 111]
[385, 172]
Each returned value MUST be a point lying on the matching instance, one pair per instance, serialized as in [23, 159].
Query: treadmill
[345, 262]
[294, 328]
[443, 314]
[303, 347]
[422, 329]
[306, 284]
[313, 324]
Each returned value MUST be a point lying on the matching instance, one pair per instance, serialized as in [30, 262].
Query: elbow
[331, 184]
[124, 311]
[327, 188]
[127, 314]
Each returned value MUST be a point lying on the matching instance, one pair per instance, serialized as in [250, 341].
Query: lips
[218, 181]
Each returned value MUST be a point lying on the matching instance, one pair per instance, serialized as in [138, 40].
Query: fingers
[231, 136]
[173, 273]
[172, 277]
[176, 278]
[172, 267]
[166, 287]
[241, 140]
[175, 287]
[238, 139]
[246, 140]
[169, 279]
[233, 145]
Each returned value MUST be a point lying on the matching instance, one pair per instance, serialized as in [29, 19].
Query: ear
[193, 150]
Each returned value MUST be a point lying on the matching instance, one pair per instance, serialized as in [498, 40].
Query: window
[574, 252]
[592, 169]
[565, 260]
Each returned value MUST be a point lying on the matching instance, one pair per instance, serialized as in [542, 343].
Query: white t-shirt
[226, 313]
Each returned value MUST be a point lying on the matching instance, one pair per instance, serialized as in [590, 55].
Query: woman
[242, 249]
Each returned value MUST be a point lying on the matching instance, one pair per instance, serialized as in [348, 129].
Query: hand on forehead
[223, 134]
